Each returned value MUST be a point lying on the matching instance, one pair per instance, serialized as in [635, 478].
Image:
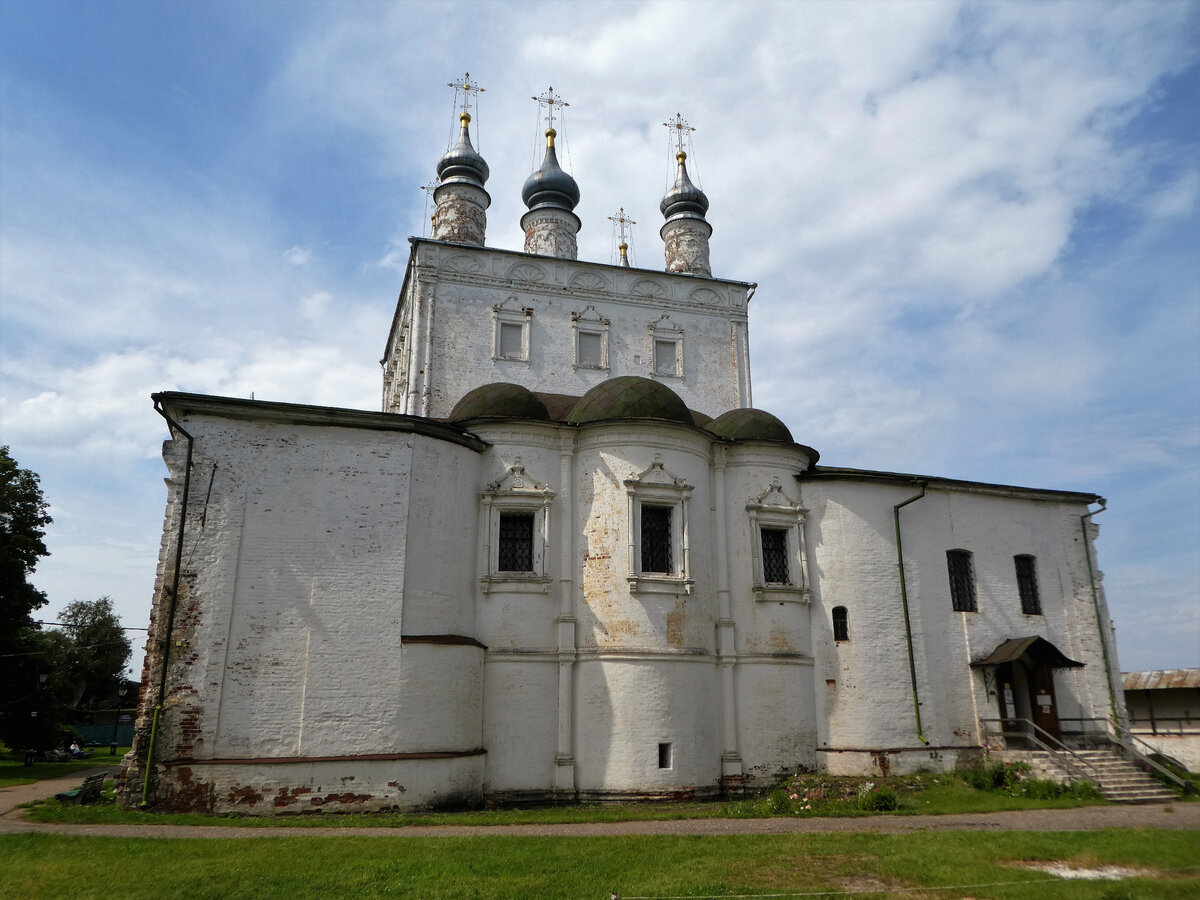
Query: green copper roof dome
[630, 397]
[499, 399]
[749, 425]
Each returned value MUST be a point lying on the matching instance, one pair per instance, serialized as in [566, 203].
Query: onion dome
[749, 424]
[684, 198]
[550, 186]
[462, 164]
[499, 400]
[630, 397]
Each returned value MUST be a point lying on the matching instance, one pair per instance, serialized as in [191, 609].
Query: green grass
[817, 795]
[942, 864]
[13, 770]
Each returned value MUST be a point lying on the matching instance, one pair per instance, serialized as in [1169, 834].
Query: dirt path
[1173, 816]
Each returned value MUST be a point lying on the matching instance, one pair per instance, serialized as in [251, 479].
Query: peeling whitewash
[340, 642]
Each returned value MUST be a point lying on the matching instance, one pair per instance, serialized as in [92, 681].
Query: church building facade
[570, 560]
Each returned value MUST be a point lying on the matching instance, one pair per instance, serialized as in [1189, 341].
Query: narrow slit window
[841, 624]
[664, 756]
[962, 580]
[516, 543]
[656, 540]
[775, 556]
[1031, 603]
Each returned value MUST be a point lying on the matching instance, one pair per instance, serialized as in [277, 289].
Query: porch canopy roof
[1035, 649]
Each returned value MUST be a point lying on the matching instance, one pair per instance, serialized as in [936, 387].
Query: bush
[998, 776]
[877, 799]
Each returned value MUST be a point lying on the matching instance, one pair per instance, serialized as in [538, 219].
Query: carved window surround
[666, 348]
[516, 492]
[592, 325]
[510, 314]
[774, 509]
[658, 487]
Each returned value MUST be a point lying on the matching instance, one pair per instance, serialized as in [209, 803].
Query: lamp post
[112, 748]
[31, 752]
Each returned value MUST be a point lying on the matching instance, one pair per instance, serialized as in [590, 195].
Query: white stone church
[569, 560]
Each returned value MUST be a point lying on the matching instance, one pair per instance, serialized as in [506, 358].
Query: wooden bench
[88, 792]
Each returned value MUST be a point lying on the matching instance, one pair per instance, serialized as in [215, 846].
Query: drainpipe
[1087, 553]
[166, 654]
[912, 661]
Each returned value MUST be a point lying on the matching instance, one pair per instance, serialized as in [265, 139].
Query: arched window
[962, 580]
[841, 624]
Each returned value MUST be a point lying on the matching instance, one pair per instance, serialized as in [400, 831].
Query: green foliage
[877, 798]
[997, 776]
[94, 654]
[23, 521]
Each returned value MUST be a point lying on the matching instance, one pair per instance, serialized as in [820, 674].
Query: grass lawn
[941, 864]
[13, 770]
[815, 795]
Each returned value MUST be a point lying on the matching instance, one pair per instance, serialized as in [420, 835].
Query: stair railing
[1067, 759]
[1135, 756]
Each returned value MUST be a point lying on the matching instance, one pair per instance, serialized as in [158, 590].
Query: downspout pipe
[1087, 554]
[912, 660]
[166, 644]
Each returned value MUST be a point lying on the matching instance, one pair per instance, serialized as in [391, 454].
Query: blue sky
[973, 226]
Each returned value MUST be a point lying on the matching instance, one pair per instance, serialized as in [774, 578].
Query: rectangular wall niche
[664, 756]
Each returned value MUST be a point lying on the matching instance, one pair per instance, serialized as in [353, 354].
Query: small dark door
[1041, 698]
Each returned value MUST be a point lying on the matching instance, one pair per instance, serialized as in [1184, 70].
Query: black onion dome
[462, 163]
[550, 186]
[630, 397]
[749, 424]
[499, 399]
[684, 198]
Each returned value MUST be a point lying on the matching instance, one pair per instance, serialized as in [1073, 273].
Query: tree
[23, 521]
[94, 654]
[23, 647]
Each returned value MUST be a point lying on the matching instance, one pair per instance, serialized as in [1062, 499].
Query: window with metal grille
[774, 556]
[1031, 603]
[656, 539]
[962, 580]
[516, 542]
[841, 624]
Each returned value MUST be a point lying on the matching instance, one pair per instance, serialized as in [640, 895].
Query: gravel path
[1173, 816]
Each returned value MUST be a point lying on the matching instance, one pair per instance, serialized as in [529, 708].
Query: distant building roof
[1161, 679]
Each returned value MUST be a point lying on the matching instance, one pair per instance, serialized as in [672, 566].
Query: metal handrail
[1141, 759]
[1076, 764]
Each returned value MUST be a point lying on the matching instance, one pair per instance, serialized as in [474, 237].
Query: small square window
[510, 341]
[591, 350]
[656, 539]
[515, 550]
[1031, 603]
[775, 556]
[666, 357]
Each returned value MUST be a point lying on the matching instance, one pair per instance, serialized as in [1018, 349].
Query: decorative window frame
[656, 486]
[663, 329]
[582, 323]
[514, 492]
[504, 314]
[774, 509]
